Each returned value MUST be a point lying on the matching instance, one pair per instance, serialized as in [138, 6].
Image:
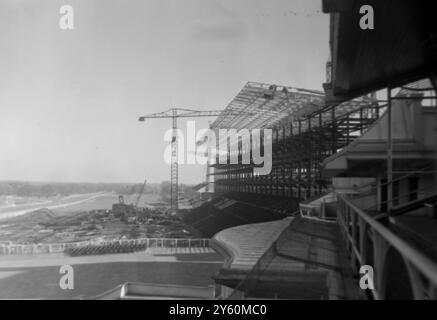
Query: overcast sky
[70, 100]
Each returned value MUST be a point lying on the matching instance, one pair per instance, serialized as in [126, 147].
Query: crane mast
[174, 114]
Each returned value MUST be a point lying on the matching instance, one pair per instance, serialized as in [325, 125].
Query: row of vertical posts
[12, 249]
[305, 167]
[356, 225]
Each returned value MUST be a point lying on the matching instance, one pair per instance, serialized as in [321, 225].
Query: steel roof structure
[261, 106]
[305, 131]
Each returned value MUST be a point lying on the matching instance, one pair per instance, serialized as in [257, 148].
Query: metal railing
[373, 188]
[17, 249]
[369, 241]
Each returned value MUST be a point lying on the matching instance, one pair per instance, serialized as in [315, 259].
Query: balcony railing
[369, 242]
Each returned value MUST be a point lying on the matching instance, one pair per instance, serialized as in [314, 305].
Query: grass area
[93, 279]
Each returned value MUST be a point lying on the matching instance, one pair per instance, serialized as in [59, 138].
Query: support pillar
[389, 153]
[434, 84]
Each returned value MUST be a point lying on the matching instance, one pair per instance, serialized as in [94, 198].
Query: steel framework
[305, 132]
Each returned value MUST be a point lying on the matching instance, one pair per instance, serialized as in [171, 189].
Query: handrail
[425, 265]
[371, 184]
[424, 192]
[418, 203]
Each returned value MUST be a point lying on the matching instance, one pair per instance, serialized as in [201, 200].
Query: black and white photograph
[233, 151]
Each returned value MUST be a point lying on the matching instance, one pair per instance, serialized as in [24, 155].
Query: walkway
[37, 276]
[301, 258]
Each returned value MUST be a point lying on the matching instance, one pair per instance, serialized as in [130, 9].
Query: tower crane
[174, 114]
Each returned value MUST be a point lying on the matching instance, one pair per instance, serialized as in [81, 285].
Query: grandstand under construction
[353, 171]
[306, 130]
[346, 208]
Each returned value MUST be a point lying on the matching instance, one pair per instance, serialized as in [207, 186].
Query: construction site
[351, 183]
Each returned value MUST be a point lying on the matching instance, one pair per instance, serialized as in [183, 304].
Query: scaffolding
[305, 129]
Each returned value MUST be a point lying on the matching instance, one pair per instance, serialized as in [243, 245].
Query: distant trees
[6, 189]
[186, 190]
[40, 189]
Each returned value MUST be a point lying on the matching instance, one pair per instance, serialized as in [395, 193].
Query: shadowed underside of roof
[261, 106]
[402, 48]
